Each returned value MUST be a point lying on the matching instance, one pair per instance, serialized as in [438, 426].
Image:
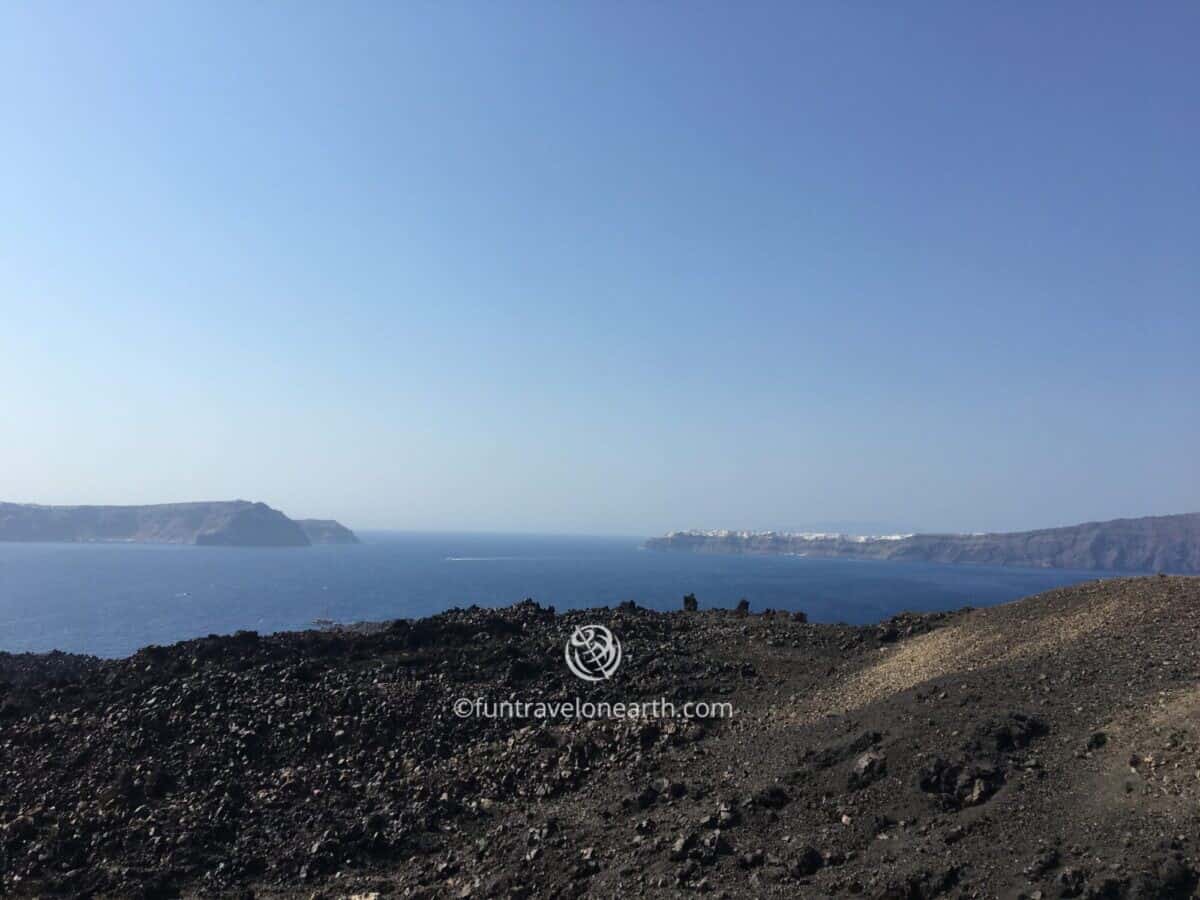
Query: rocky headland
[232, 523]
[327, 531]
[1043, 748]
[1149, 544]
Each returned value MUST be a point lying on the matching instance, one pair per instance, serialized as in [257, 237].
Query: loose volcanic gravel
[1045, 748]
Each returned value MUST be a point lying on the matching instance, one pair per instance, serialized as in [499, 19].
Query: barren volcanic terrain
[1044, 748]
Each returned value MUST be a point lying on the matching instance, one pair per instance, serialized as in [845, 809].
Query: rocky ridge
[234, 523]
[1150, 544]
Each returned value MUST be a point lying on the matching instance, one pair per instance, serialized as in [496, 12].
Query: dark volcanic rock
[950, 761]
[871, 766]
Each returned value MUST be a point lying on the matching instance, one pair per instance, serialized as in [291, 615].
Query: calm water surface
[110, 599]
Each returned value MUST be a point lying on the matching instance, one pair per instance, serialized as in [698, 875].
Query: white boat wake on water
[500, 558]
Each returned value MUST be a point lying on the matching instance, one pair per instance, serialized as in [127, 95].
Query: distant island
[226, 523]
[1150, 544]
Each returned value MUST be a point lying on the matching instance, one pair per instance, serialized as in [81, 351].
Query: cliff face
[236, 523]
[251, 525]
[1151, 544]
[327, 531]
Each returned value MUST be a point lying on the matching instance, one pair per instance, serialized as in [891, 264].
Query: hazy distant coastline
[231, 523]
[1150, 544]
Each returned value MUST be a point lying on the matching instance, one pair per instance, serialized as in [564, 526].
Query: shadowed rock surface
[1048, 747]
[327, 531]
[234, 523]
[1150, 544]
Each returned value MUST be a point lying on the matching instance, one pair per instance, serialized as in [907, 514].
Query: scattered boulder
[869, 767]
[684, 843]
[957, 785]
[1044, 862]
[806, 862]
[772, 797]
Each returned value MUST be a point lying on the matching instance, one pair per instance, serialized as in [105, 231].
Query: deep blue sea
[111, 599]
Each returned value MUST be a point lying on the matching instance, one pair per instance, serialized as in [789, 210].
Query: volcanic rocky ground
[1045, 748]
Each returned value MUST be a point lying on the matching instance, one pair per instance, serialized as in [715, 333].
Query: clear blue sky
[604, 267]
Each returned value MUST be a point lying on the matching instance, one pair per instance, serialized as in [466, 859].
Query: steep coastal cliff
[327, 531]
[235, 523]
[1150, 544]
